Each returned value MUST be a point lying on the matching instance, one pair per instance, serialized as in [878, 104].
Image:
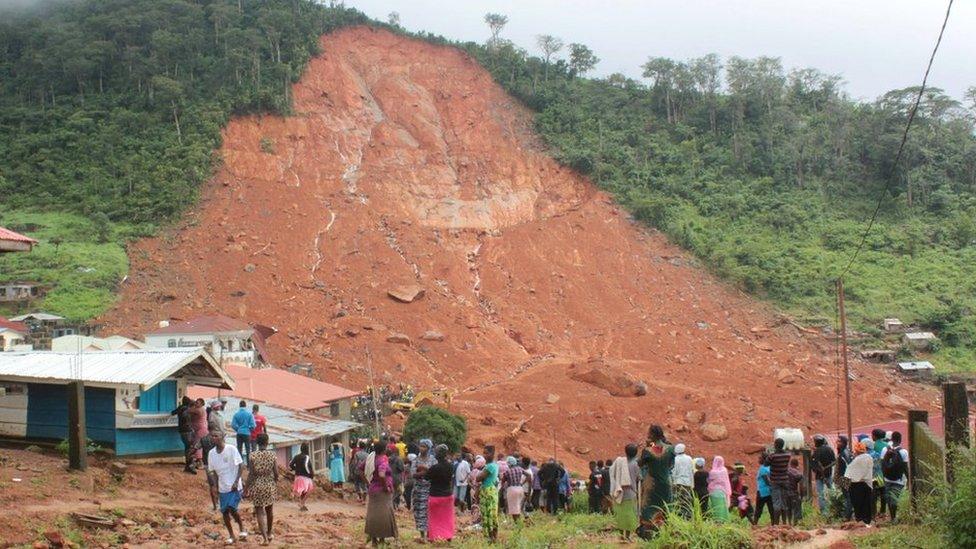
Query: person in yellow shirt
[400, 446]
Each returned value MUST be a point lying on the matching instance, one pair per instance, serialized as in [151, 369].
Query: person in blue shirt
[763, 494]
[242, 424]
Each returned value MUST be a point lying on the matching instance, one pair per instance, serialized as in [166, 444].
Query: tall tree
[393, 19]
[661, 71]
[550, 45]
[496, 22]
[581, 59]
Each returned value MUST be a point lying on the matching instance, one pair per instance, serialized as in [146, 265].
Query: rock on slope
[405, 165]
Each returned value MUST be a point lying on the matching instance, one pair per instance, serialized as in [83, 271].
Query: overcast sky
[875, 45]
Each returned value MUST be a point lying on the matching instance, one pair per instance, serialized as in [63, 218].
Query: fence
[930, 462]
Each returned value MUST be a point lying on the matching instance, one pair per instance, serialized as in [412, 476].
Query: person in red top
[260, 424]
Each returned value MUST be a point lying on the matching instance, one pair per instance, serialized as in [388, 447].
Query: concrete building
[19, 292]
[12, 334]
[128, 395]
[14, 242]
[229, 340]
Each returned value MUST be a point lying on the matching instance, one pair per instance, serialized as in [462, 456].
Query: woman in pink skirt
[440, 507]
[301, 465]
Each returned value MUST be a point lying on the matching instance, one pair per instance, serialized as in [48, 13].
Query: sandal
[229, 541]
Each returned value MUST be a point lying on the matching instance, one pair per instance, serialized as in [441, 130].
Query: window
[158, 399]
[3, 292]
[10, 389]
[171, 343]
[334, 409]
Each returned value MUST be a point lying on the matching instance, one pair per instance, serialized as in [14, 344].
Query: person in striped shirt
[779, 482]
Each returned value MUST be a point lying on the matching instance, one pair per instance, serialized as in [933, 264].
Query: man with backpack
[894, 467]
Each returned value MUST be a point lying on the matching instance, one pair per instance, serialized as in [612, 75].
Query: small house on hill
[919, 340]
[18, 292]
[45, 327]
[229, 340]
[12, 334]
[128, 395]
[14, 242]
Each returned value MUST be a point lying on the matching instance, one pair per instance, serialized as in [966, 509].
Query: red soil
[404, 163]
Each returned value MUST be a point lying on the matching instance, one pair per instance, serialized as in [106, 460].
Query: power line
[901, 146]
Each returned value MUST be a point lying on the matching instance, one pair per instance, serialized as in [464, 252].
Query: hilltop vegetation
[111, 110]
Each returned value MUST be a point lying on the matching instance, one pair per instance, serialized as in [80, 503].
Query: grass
[78, 261]
[902, 535]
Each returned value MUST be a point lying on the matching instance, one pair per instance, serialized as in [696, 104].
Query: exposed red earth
[544, 305]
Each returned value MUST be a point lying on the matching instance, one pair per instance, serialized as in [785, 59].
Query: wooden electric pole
[843, 353]
[77, 435]
[372, 393]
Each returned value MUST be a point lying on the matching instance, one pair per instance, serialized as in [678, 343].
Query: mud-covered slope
[404, 164]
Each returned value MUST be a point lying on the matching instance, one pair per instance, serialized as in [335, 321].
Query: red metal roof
[276, 387]
[15, 326]
[7, 234]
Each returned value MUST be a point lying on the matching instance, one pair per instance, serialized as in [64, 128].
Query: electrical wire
[901, 146]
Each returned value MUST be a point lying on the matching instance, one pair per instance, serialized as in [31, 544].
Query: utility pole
[77, 431]
[372, 392]
[843, 351]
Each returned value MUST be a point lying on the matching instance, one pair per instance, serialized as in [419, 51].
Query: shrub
[700, 532]
[437, 424]
[953, 507]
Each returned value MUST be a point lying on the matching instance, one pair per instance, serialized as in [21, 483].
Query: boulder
[895, 401]
[785, 377]
[407, 293]
[552, 398]
[432, 335]
[695, 417]
[640, 389]
[713, 432]
[402, 339]
[250, 268]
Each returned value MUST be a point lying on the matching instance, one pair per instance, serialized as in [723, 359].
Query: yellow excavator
[436, 397]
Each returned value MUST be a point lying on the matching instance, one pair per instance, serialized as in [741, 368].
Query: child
[745, 506]
[795, 492]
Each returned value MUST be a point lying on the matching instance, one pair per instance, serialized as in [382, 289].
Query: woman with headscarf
[441, 499]
[421, 485]
[474, 486]
[719, 490]
[512, 483]
[624, 475]
[337, 465]
[262, 486]
[701, 484]
[488, 494]
[860, 473]
[380, 519]
[657, 460]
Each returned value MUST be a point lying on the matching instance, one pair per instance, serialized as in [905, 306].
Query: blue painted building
[128, 395]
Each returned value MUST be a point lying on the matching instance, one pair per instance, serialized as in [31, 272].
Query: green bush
[437, 424]
[952, 508]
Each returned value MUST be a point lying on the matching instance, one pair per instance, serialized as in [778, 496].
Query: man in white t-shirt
[895, 471]
[461, 473]
[225, 466]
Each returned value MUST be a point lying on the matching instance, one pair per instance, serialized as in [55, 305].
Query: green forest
[110, 112]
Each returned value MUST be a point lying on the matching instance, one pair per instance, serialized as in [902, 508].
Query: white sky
[875, 45]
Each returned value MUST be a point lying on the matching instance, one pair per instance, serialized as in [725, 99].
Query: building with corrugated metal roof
[288, 428]
[229, 340]
[129, 395]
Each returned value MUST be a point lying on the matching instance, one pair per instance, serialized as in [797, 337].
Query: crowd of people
[638, 488]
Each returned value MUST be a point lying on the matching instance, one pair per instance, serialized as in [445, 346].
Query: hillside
[403, 163]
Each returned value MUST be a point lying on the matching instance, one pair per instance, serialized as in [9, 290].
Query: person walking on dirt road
[226, 467]
[262, 486]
